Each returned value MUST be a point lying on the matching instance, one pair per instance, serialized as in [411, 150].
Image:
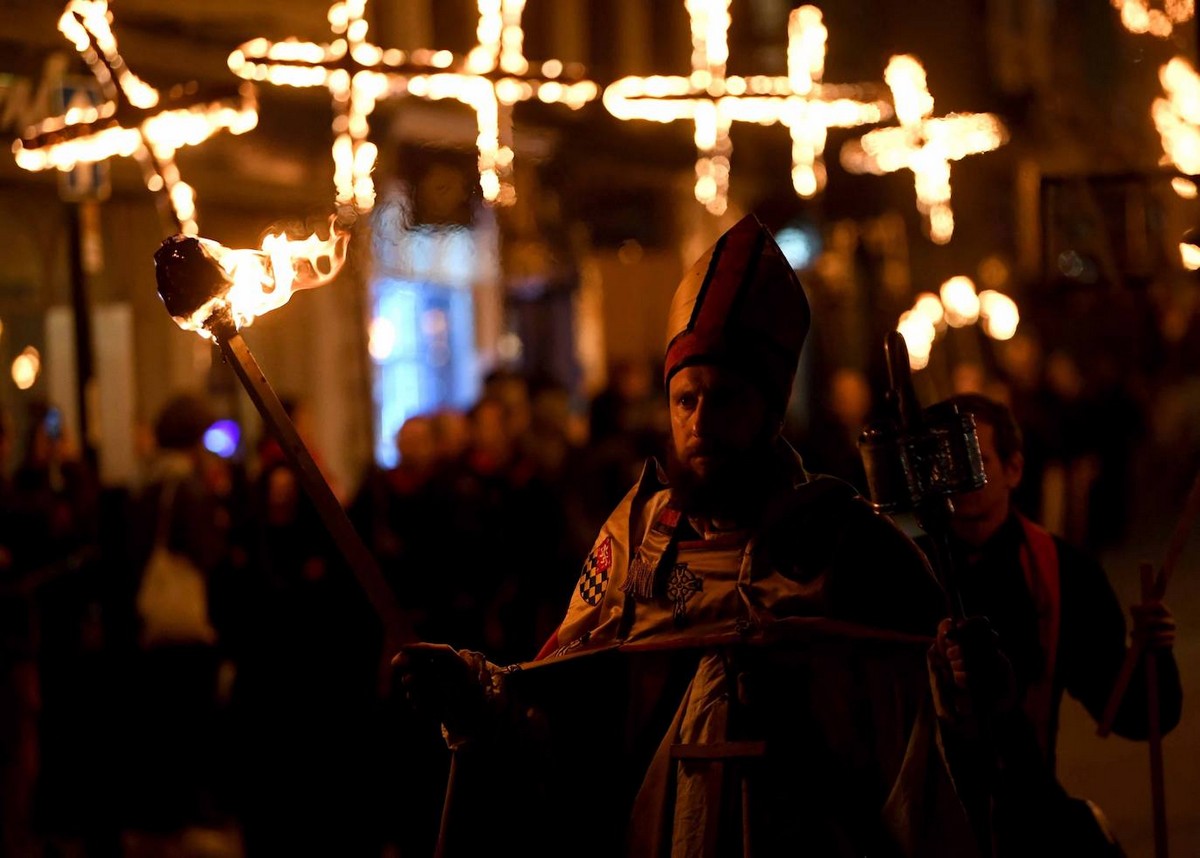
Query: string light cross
[714, 100]
[923, 144]
[1138, 16]
[490, 79]
[135, 120]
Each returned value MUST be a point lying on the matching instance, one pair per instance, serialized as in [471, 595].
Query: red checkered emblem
[593, 581]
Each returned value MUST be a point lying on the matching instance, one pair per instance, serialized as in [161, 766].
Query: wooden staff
[360, 560]
[1153, 590]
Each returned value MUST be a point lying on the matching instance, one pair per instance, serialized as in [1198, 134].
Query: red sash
[1039, 561]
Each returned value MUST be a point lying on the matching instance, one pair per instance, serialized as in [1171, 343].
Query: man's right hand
[972, 676]
[446, 685]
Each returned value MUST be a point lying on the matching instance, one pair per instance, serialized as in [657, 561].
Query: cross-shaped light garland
[1177, 117]
[1138, 16]
[714, 100]
[492, 78]
[923, 143]
[134, 121]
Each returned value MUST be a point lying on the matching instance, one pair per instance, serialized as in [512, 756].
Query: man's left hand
[1153, 625]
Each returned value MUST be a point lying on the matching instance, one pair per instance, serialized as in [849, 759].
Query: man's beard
[736, 489]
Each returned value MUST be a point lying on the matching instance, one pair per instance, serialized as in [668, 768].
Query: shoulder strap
[1039, 561]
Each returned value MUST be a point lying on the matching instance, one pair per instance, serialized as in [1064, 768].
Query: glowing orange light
[960, 300]
[1177, 117]
[381, 341]
[918, 333]
[490, 79]
[1186, 188]
[25, 368]
[923, 144]
[1189, 255]
[135, 120]
[265, 279]
[958, 305]
[1138, 16]
[713, 100]
[999, 315]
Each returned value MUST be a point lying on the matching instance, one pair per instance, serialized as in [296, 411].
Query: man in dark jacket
[1061, 627]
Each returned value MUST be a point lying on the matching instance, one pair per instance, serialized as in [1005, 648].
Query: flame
[958, 306]
[1177, 117]
[1189, 255]
[923, 144]
[25, 368]
[999, 314]
[90, 135]
[960, 300]
[918, 333]
[491, 78]
[1137, 16]
[1186, 188]
[930, 306]
[713, 101]
[264, 280]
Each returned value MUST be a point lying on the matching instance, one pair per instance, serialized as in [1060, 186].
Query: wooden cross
[490, 79]
[135, 121]
[923, 143]
[714, 100]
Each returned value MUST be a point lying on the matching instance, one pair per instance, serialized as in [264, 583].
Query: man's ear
[1014, 468]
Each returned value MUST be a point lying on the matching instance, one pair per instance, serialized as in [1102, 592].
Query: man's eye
[687, 401]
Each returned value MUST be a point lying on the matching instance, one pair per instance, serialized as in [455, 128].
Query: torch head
[189, 279]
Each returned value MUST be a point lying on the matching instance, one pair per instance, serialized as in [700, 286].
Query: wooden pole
[1183, 527]
[397, 627]
[1158, 794]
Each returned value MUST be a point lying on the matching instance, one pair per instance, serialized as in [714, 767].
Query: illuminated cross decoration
[1138, 16]
[923, 143]
[713, 100]
[490, 79]
[134, 121]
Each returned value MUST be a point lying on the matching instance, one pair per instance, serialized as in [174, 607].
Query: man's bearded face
[721, 436]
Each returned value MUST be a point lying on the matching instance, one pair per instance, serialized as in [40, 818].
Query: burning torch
[215, 291]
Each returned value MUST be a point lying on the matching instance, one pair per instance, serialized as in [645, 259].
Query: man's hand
[971, 675]
[1153, 625]
[445, 684]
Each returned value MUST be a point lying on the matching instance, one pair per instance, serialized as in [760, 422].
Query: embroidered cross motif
[682, 584]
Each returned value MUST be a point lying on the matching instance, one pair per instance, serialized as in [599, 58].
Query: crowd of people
[262, 709]
[122, 710]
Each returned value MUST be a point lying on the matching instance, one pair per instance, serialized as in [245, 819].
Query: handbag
[172, 599]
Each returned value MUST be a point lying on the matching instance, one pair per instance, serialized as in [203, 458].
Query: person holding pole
[742, 669]
[1061, 627]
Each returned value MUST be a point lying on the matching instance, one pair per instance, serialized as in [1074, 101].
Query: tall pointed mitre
[742, 306]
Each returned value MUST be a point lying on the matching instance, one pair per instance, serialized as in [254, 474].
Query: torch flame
[263, 280]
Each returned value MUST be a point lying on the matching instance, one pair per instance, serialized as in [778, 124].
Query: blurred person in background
[1059, 624]
[176, 693]
[305, 711]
